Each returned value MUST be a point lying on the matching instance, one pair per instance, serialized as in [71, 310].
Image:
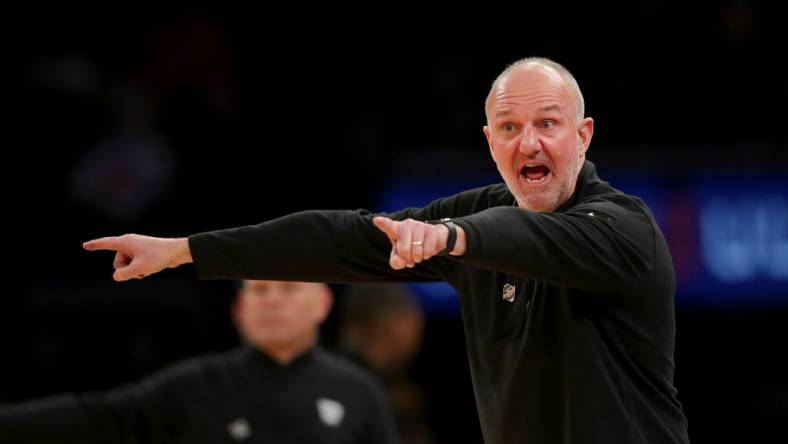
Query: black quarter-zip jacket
[241, 396]
[569, 316]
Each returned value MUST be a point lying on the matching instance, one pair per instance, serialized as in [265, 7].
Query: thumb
[121, 274]
[128, 272]
[396, 262]
[387, 226]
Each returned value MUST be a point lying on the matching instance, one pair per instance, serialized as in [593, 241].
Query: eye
[507, 127]
[548, 123]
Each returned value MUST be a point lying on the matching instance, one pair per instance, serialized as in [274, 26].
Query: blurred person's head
[537, 132]
[281, 318]
[383, 324]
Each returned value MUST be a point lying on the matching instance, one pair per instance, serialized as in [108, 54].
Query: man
[382, 329]
[281, 387]
[566, 284]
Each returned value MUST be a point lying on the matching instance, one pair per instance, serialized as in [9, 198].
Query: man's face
[534, 137]
[273, 314]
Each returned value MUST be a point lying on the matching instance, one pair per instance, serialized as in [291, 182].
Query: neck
[287, 352]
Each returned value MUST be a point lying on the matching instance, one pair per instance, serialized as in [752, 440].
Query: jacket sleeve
[325, 246]
[319, 246]
[143, 413]
[600, 245]
[59, 419]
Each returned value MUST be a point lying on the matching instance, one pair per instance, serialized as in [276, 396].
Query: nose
[276, 296]
[271, 298]
[530, 144]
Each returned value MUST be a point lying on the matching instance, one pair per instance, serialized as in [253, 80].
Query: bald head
[281, 318]
[543, 64]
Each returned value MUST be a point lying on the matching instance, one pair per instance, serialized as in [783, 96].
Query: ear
[326, 303]
[488, 135]
[236, 308]
[585, 131]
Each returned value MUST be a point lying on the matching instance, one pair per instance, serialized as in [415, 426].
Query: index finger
[104, 243]
[387, 226]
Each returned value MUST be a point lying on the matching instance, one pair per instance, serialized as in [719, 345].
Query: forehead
[530, 88]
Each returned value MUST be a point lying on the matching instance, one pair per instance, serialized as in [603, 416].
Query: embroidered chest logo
[509, 292]
[239, 429]
[331, 412]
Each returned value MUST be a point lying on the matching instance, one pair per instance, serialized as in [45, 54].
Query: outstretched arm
[320, 246]
[132, 414]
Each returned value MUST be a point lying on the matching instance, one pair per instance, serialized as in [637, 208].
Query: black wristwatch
[452, 239]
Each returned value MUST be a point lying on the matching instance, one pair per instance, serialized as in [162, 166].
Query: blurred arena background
[180, 119]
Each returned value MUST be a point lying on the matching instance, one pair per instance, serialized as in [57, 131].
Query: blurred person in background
[279, 386]
[383, 328]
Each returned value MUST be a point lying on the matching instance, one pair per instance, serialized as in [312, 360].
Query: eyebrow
[550, 108]
[506, 112]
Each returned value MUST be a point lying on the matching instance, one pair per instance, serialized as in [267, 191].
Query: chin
[537, 205]
[539, 209]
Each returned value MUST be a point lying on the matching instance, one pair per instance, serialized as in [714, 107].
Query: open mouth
[535, 173]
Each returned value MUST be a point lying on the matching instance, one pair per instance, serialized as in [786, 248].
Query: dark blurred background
[174, 120]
